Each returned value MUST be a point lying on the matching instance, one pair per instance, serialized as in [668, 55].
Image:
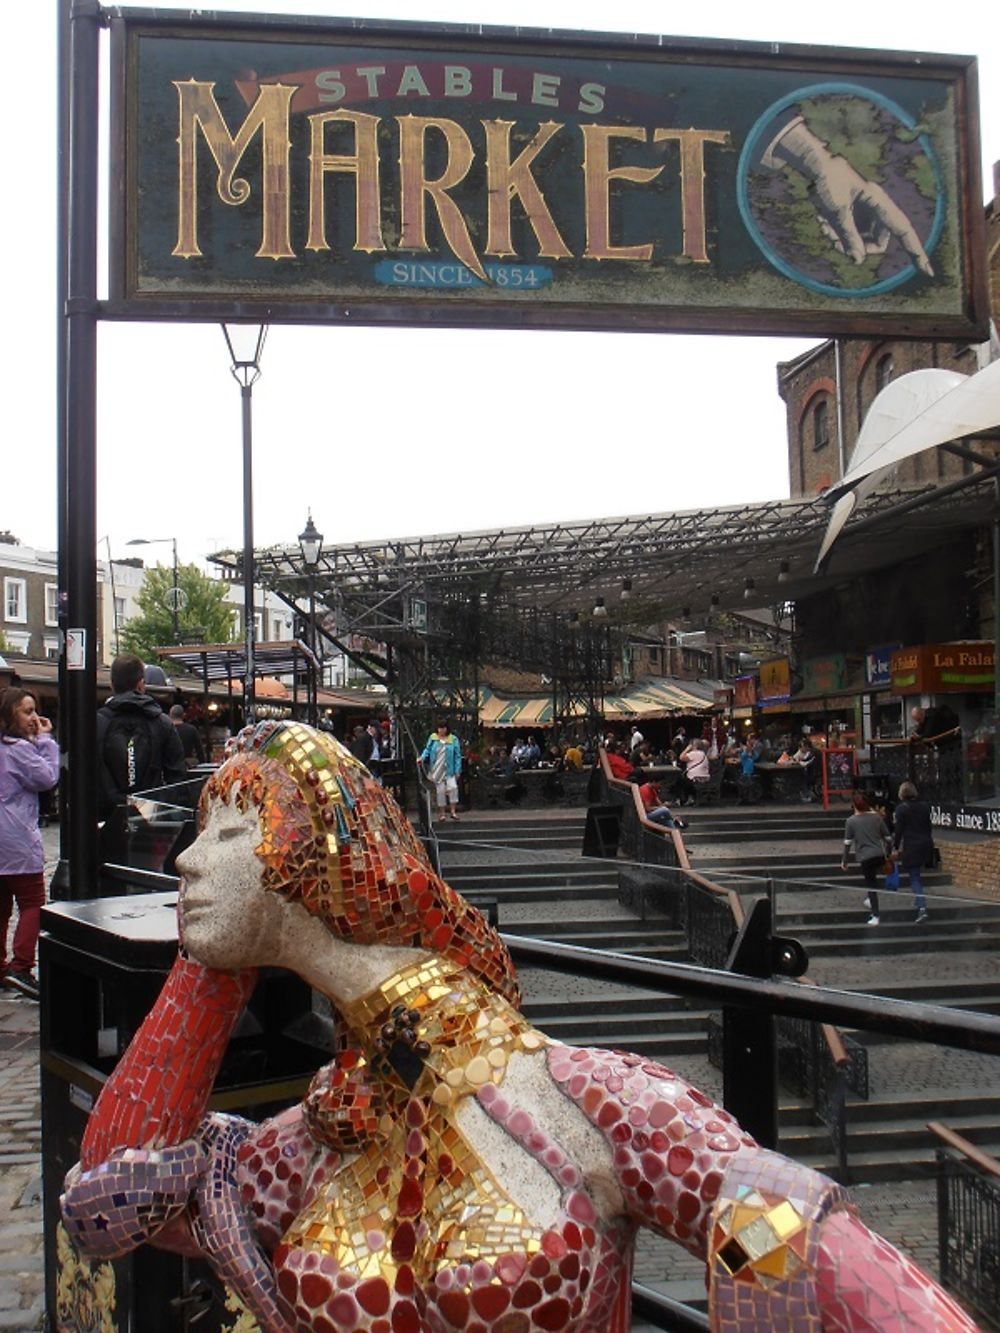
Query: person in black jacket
[913, 841]
[194, 751]
[137, 745]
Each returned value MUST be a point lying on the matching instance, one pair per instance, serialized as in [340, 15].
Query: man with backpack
[137, 745]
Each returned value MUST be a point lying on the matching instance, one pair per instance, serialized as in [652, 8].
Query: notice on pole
[76, 650]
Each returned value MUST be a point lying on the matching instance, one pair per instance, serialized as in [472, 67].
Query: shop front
[946, 698]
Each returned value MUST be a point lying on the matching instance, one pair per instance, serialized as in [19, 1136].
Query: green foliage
[4, 645]
[204, 617]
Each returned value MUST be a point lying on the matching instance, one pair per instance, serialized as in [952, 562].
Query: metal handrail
[913, 1019]
[984, 1160]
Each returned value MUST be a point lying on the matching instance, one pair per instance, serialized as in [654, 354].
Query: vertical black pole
[61, 877]
[246, 391]
[313, 682]
[177, 632]
[996, 635]
[78, 453]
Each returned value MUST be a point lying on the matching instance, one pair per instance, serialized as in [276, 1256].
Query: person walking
[867, 834]
[194, 751]
[138, 747]
[29, 764]
[441, 760]
[913, 842]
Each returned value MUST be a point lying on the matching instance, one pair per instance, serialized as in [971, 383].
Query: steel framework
[422, 614]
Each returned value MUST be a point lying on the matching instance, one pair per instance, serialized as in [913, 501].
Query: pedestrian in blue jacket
[441, 760]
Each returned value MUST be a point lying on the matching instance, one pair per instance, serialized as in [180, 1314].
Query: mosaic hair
[336, 841]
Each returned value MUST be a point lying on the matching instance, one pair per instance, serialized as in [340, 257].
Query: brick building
[29, 619]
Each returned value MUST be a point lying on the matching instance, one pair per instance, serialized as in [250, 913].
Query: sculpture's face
[225, 915]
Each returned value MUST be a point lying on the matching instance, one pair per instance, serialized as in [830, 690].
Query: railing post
[749, 1046]
[942, 1215]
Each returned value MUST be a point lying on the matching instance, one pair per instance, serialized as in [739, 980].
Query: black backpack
[132, 755]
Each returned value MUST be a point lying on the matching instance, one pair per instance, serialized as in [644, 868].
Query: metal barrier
[808, 1065]
[935, 765]
[968, 1196]
[530, 789]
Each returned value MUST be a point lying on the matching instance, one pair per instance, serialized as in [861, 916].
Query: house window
[51, 604]
[15, 597]
[258, 626]
[277, 625]
[51, 647]
[119, 610]
[18, 641]
[821, 424]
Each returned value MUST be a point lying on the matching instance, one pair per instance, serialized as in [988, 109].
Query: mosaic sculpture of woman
[451, 1168]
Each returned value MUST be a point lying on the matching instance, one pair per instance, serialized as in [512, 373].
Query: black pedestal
[102, 963]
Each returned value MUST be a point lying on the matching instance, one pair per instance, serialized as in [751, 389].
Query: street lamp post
[245, 369]
[311, 544]
[175, 601]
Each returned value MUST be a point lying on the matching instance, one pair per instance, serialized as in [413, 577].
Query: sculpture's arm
[141, 1157]
[776, 1236]
[157, 1094]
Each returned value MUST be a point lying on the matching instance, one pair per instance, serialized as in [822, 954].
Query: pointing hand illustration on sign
[857, 215]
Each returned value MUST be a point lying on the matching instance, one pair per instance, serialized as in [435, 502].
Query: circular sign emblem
[841, 190]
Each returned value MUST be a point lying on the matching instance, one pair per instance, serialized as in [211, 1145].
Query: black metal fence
[936, 768]
[969, 1231]
[529, 789]
[807, 1066]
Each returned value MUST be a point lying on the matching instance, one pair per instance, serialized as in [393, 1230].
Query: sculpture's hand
[858, 216]
[129, 1198]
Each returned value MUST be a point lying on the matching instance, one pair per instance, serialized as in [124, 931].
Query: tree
[204, 615]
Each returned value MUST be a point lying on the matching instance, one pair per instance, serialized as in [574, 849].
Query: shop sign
[775, 682]
[878, 662]
[966, 818]
[824, 675]
[722, 698]
[943, 668]
[335, 169]
[745, 691]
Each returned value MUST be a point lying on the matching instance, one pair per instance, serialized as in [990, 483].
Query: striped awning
[660, 697]
[522, 711]
[651, 698]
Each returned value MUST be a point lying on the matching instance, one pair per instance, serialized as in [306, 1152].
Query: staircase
[529, 863]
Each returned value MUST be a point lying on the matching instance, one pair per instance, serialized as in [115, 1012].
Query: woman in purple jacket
[29, 763]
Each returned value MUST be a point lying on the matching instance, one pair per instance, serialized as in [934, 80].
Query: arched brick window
[821, 424]
[884, 370]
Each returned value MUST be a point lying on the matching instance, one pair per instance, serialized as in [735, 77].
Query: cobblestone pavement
[21, 1258]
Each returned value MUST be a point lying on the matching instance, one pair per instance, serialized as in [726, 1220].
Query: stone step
[619, 1030]
[657, 944]
[627, 927]
[543, 894]
[874, 941]
[901, 1149]
[605, 1005]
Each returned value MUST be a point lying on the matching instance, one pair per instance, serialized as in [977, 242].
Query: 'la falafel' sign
[423, 174]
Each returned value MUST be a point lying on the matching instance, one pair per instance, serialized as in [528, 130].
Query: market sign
[744, 691]
[775, 685]
[878, 663]
[321, 170]
[943, 668]
[824, 675]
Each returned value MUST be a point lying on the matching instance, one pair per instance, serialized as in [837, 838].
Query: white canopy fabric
[916, 412]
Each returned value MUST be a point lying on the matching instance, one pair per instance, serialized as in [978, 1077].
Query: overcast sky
[392, 432]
